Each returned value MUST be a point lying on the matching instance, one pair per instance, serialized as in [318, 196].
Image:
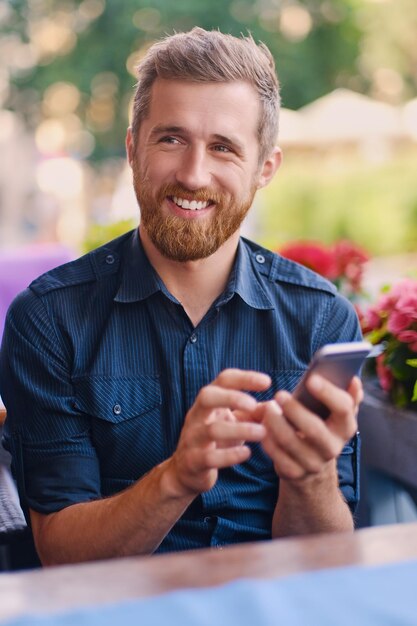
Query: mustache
[200, 195]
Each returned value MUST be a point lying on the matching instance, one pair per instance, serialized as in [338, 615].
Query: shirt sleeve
[342, 325]
[53, 459]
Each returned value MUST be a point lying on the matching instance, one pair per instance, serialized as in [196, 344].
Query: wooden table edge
[64, 588]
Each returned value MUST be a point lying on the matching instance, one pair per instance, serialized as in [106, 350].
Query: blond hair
[210, 56]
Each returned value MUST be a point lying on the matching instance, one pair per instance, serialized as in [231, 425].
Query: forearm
[138, 519]
[312, 505]
[134, 521]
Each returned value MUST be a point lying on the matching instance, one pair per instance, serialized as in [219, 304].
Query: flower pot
[389, 435]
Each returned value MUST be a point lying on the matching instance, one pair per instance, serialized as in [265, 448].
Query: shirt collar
[246, 281]
[139, 279]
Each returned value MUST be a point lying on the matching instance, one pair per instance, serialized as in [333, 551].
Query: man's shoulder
[277, 269]
[99, 264]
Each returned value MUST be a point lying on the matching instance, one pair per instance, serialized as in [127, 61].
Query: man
[147, 383]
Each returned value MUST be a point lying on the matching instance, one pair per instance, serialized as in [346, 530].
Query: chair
[17, 549]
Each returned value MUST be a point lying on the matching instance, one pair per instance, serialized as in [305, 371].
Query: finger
[222, 414]
[250, 380]
[218, 458]
[242, 416]
[342, 405]
[356, 390]
[255, 416]
[309, 454]
[224, 432]
[214, 397]
[228, 416]
[342, 420]
[310, 428]
[285, 466]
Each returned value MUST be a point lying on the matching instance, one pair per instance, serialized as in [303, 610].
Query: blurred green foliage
[363, 45]
[99, 234]
[341, 45]
[374, 205]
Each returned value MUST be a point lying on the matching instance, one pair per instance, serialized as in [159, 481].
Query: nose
[193, 171]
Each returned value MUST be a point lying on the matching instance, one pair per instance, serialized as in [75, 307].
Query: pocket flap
[117, 399]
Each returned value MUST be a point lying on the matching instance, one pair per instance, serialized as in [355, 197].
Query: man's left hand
[300, 443]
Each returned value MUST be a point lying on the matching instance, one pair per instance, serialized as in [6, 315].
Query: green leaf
[376, 335]
[414, 398]
[399, 395]
[385, 288]
[412, 362]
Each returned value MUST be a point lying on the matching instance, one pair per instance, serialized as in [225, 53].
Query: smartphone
[339, 363]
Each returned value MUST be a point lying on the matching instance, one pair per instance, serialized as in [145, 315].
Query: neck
[196, 284]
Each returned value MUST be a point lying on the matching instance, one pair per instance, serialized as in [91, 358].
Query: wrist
[171, 486]
[313, 484]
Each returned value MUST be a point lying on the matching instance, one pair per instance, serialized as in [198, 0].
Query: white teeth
[191, 205]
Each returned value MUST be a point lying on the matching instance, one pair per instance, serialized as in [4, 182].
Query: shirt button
[260, 258]
[110, 259]
[117, 409]
[193, 338]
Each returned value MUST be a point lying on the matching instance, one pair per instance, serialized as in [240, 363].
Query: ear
[129, 145]
[269, 167]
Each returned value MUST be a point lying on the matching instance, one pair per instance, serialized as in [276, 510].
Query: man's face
[195, 165]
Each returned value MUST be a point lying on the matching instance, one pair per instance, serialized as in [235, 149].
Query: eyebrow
[161, 129]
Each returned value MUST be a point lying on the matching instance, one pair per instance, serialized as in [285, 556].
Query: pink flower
[410, 337]
[349, 260]
[386, 303]
[371, 320]
[407, 303]
[384, 373]
[392, 321]
[399, 321]
[404, 287]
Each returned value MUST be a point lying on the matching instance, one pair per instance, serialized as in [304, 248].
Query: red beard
[181, 239]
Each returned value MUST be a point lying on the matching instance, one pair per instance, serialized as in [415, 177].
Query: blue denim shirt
[100, 363]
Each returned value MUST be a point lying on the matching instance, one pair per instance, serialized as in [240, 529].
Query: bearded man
[148, 384]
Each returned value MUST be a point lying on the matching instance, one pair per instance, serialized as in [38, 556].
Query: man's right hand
[212, 437]
[137, 519]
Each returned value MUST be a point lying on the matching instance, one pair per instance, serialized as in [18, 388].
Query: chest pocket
[117, 399]
[125, 422]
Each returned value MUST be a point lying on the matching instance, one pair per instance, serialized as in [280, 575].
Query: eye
[169, 140]
[220, 147]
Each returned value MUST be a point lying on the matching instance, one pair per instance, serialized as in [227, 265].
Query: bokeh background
[348, 72]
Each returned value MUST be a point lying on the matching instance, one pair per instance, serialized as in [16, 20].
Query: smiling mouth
[190, 205]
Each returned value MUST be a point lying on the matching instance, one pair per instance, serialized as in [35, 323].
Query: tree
[93, 45]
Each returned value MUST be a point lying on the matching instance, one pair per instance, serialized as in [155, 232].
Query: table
[68, 587]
